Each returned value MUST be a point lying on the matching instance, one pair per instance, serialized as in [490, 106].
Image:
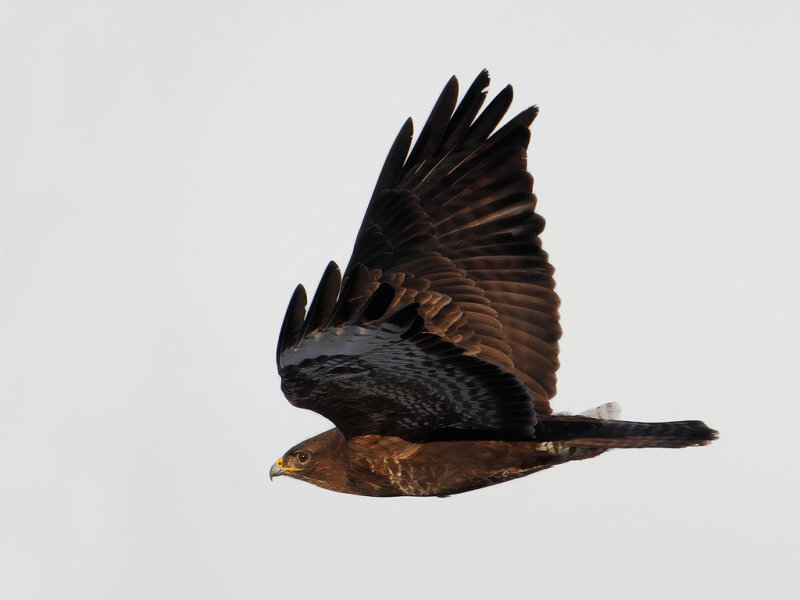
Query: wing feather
[293, 321]
[396, 158]
[436, 125]
[470, 206]
[383, 373]
[447, 269]
[491, 117]
[465, 114]
[324, 299]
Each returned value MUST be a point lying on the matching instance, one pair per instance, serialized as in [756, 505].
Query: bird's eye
[302, 457]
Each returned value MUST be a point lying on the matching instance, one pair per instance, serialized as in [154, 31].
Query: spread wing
[452, 226]
[447, 318]
[374, 369]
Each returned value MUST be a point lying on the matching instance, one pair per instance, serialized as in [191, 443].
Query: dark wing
[373, 369]
[452, 227]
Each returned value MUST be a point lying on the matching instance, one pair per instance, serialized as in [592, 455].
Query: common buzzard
[435, 355]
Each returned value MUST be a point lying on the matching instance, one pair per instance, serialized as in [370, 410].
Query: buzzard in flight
[435, 354]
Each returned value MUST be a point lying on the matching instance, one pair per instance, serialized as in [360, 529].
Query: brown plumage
[435, 355]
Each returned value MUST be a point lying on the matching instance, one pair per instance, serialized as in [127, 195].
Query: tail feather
[584, 432]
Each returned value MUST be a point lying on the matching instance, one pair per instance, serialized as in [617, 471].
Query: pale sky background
[169, 171]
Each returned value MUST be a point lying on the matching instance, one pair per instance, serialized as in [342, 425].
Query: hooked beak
[277, 469]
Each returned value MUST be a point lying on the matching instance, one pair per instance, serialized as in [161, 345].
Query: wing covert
[376, 370]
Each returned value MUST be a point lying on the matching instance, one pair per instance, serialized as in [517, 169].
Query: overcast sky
[169, 171]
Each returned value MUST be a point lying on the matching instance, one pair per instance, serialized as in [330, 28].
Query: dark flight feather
[393, 164]
[382, 373]
[293, 321]
[324, 299]
[436, 125]
[465, 113]
[452, 216]
[489, 119]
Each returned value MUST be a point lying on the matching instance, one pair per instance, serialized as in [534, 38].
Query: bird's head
[313, 460]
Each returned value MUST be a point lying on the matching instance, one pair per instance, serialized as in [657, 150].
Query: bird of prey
[435, 354]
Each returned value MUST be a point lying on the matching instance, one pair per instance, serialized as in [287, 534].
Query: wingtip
[487, 121]
[300, 293]
[393, 165]
[292, 321]
[324, 299]
[332, 265]
[482, 79]
[452, 82]
[531, 113]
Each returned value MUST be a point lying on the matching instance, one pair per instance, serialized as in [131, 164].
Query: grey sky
[169, 171]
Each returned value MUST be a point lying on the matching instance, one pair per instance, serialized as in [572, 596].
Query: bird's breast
[391, 466]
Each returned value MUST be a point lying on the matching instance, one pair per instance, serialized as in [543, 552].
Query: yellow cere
[279, 463]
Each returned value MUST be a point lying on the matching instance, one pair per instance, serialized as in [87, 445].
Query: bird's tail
[585, 432]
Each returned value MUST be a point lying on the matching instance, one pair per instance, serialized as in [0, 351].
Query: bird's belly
[443, 468]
